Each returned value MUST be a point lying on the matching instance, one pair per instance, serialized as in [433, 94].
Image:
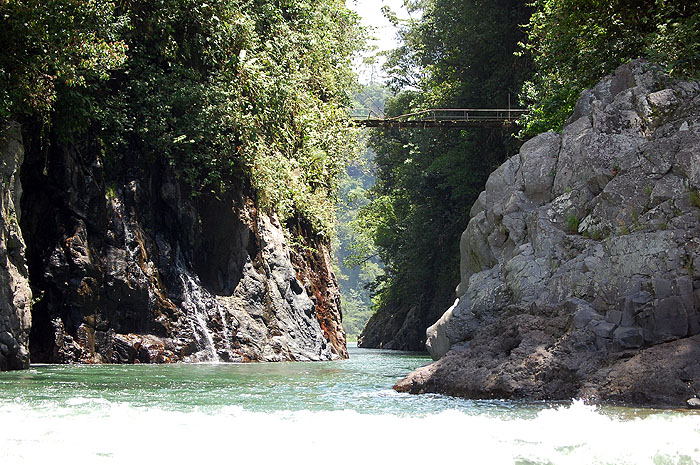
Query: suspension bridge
[441, 118]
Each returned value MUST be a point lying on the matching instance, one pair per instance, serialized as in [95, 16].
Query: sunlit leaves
[576, 42]
[52, 43]
[458, 55]
[228, 92]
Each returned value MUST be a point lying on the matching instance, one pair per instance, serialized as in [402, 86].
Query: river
[330, 412]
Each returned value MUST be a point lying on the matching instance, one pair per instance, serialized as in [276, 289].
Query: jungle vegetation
[459, 54]
[226, 92]
[358, 265]
[256, 93]
[574, 43]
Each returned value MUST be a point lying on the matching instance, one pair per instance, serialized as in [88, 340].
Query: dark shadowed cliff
[135, 271]
[173, 176]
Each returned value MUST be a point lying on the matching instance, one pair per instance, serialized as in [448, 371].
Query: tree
[51, 47]
[227, 92]
[459, 55]
[358, 264]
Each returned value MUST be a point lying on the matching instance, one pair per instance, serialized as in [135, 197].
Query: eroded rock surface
[15, 294]
[127, 267]
[579, 267]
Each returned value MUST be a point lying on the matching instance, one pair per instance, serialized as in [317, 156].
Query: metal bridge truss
[442, 118]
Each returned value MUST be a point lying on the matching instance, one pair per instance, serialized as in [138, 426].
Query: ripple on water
[310, 412]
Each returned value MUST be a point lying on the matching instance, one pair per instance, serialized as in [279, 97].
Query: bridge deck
[444, 118]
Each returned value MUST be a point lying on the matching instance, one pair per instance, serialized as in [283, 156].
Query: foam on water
[341, 412]
[114, 432]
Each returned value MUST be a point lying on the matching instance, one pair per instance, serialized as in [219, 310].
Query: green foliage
[228, 92]
[623, 229]
[574, 43]
[595, 234]
[370, 100]
[461, 52]
[110, 192]
[260, 88]
[695, 197]
[52, 47]
[357, 261]
[572, 224]
[357, 309]
[459, 55]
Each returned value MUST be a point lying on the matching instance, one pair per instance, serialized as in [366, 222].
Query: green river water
[328, 412]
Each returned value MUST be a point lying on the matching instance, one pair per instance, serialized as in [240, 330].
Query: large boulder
[582, 255]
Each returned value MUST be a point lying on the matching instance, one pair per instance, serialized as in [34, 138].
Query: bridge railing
[365, 113]
[448, 114]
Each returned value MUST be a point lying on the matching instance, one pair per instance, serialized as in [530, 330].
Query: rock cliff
[579, 267]
[15, 294]
[402, 327]
[126, 267]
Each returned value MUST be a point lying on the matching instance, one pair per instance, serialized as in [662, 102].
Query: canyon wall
[15, 294]
[126, 267]
[579, 267]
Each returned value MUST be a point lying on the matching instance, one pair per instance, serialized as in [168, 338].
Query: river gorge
[172, 286]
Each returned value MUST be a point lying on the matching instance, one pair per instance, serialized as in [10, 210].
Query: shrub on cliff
[226, 92]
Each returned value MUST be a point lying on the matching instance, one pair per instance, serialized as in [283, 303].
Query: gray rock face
[395, 328]
[15, 294]
[133, 270]
[594, 233]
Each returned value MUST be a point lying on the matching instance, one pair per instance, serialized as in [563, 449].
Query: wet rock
[124, 349]
[15, 294]
[129, 268]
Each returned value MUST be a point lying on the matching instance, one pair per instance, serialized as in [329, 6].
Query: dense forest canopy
[457, 55]
[353, 277]
[357, 262]
[224, 90]
[256, 93]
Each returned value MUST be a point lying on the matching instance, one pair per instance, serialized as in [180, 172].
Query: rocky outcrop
[15, 294]
[394, 328]
[580, 264]
[315, 271]
[126, 267]
[400, 326]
